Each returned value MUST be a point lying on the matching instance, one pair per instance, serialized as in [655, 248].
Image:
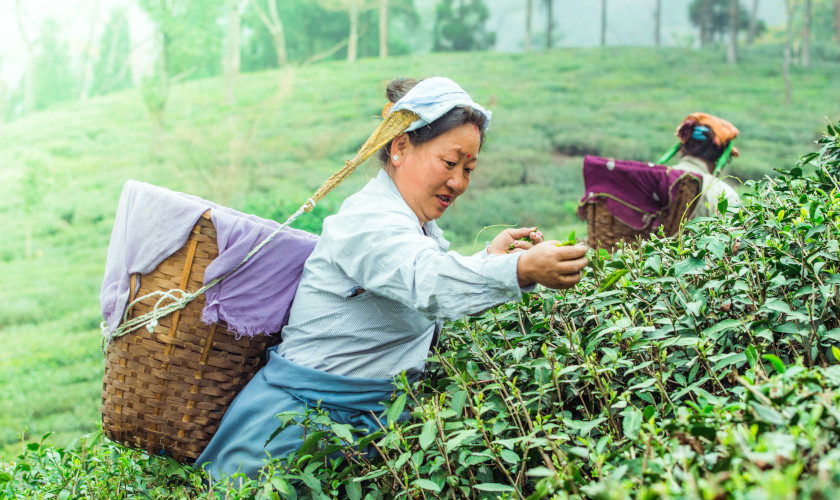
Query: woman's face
[431, 175]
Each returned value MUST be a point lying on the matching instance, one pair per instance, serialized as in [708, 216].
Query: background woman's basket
[604, 230]
[166, 391]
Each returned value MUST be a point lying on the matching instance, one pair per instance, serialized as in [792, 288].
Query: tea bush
[703, 366]
[698, 367]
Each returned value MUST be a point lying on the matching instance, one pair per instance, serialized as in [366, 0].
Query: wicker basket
[165, 392]
[606, 231]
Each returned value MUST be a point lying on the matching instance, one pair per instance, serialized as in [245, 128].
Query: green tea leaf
[632, 422]
[342, 431]
[283, 487]
[775, 361]
[721, 327]
[612, 279]
[510, 457]
[689, 265]
[396, 409]
[458, 401]
[311, 442]
[402, 460]
[426, 484]
[372, 475]
[493, 487]
[427, 435]
[366, 440]
[752, 355]
[354, 490]
[311, 481]
[460, 438]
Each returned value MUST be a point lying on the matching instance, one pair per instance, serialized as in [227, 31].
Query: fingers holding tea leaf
[512, 240]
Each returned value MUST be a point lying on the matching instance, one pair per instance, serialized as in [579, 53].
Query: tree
[271, 20]
[52, 78]
[111, 69]
[603, 23]
[232, 52]
[383, 29]
[789, 7]
[27, 82]
[353, 8]
[84, 84]
[706, 20]
[753, 23]
[308, 31]
[529, 5]
[353, 40]
[188, 45]
[732, 48]
[837, 20]
[712, 18]
[657, 23]
[549, 37]
[460, 25]
[806, 35]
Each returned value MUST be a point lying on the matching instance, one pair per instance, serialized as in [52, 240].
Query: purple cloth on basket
[634, 192]
[153, 222]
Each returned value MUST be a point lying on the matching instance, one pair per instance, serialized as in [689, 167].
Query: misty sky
[630, 22]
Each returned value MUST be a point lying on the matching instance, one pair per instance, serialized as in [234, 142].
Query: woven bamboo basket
[166, 392]
[606, 231]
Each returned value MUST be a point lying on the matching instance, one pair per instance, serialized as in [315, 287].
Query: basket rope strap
[393, 125]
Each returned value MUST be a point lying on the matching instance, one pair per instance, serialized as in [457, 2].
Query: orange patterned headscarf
[722, 131]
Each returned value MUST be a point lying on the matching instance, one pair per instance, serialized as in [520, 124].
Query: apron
[282, 386]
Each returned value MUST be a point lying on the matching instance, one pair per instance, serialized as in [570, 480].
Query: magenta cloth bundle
[153, 222]
[634, 192]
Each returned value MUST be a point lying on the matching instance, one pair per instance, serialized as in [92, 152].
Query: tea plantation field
[707, 367]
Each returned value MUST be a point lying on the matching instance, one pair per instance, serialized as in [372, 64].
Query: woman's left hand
[510, 240]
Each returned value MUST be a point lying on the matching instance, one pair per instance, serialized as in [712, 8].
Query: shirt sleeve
[385, 253]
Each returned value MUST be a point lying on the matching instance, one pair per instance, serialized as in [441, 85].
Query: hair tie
[387, 109]
[699, 133]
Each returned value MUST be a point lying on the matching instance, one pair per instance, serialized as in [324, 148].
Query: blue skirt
[283, 386]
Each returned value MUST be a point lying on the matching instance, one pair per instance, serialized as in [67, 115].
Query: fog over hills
[578, 24]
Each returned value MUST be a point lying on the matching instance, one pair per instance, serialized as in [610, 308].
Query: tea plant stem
[759, 396]
[499, 375]
[657, 376]
[388, 465]
[583, 402]
[501, 330]
[521, 323]
[441, 439]
[647, 454]
[553, 363]
[605, 404]
[711, 372]
[489, 443]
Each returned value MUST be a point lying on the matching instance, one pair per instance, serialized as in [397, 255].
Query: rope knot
[152, 324]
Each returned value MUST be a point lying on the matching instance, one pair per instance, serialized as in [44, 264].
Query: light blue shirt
[376, 289]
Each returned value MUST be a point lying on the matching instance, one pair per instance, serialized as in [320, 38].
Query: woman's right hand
[551, 265]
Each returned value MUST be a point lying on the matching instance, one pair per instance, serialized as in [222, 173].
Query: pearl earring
[396, 157]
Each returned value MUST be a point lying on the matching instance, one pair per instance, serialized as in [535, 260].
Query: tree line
[225, 37]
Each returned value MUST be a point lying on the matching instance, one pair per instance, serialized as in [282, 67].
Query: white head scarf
[433, 97]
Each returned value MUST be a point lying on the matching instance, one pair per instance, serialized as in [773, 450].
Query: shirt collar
[694, 164]
[436, 233]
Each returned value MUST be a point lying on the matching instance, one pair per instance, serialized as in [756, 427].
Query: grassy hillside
[61, 172]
